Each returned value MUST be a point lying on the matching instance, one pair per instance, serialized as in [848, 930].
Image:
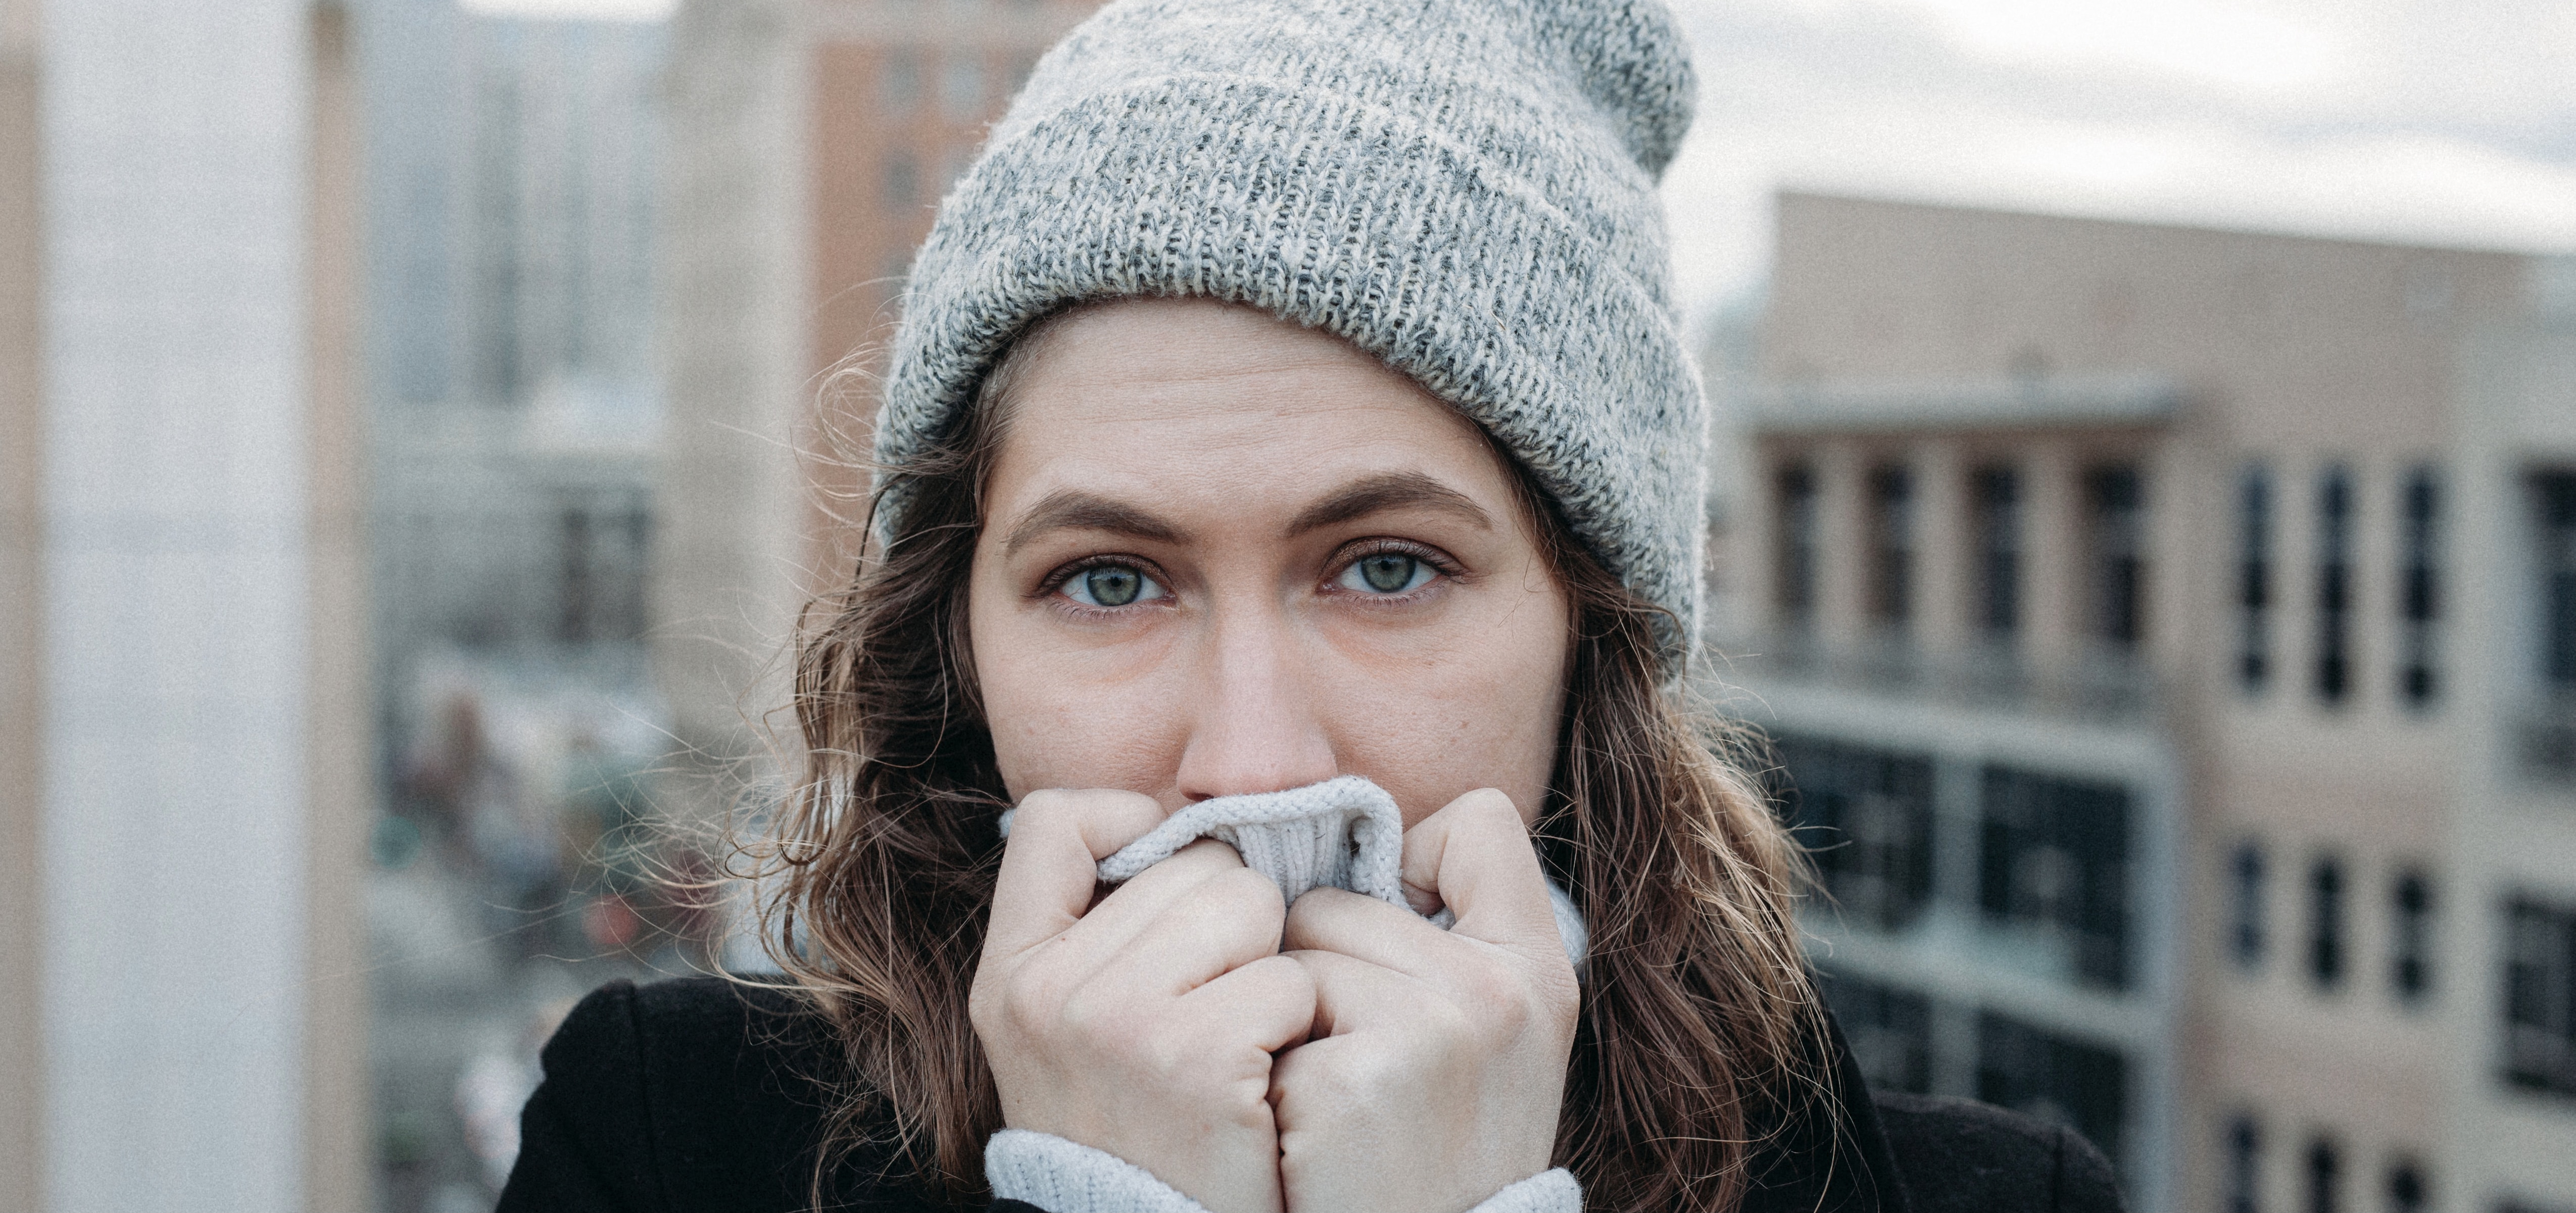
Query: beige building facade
[184, 746]
[2170, 634]
[810, 143]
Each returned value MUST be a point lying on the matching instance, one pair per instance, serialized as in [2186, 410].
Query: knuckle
[1489, 807]
[1095, 1018]
[1033, 1005]
[1558, 994]
[1040, 809]
[1447, 1024]
[1491, 986]
[1244, 891]
[1164, 1055]
[1365, 1072]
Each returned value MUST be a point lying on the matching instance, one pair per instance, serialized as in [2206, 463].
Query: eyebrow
[1075, 510]
[1391, 491]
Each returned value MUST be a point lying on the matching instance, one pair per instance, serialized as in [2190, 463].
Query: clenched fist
[1142, 1026]
[1437, 1059]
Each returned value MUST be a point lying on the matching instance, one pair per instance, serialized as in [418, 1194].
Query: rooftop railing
[2103, 686]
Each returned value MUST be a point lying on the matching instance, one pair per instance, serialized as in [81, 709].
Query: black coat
[698, 1095]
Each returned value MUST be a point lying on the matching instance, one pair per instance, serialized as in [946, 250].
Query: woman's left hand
[1433, 1073]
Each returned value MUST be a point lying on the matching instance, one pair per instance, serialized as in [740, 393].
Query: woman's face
[1224, 554]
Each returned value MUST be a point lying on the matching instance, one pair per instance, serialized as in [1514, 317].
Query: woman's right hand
[1143, 1026]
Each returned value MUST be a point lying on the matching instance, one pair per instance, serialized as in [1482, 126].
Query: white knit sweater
[1345, 833]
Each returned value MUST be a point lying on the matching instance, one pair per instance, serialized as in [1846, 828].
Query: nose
[1253, 721]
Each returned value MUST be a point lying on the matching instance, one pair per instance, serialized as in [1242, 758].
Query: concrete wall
[728, 550]
[339, 778]
[203, 742]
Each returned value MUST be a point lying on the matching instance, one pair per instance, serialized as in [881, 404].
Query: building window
[2325, 1176]
[902, 182]
[2065, 1082]
[2333, 674]
[1890, 1031]
[899, 85]
[2244, 1178]
[1996, 492]
[2540, 996]
[2325, 922]
[961, 89]
[1868, 814]
[2254, 578]
[2419, 602]
[2054, 857]
[1891, 548]
[2549, 734]
[2249, 889]
[601, 550]
[1795, 578]
[2555, 495]
[2115, 505]
[2410, 906]
[2408, 1190]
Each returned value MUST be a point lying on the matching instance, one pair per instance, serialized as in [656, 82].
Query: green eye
[1390, 572]
[1111, 585]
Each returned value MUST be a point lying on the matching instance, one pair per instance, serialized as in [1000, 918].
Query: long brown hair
[1696, 1035]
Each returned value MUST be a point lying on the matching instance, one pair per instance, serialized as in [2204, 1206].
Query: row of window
[903, 188]
[2539, 956]
[2052, 853]
[2324, 1176]
[2539, 1047]
[964, 86]
[2114, 500]
[2337, 499]
[2326, 1184]
[2325, 947]
[2540, 996]
[2115, 568]
[2015, 1064]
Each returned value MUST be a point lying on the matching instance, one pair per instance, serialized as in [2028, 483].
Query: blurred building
[512, 181]
[513, 167]
[811, 141]
[2172, 634]
[183, 733]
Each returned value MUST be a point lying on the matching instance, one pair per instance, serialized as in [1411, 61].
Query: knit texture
[1553, 1191]
[1463, 188]
[1344, 833]
[1061, 1176]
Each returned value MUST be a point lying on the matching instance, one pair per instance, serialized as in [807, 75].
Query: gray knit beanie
[1463, 188]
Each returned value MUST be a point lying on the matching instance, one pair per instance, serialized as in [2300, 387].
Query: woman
[1288, 426]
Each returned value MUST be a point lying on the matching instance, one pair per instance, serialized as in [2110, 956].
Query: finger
[1228, 919]
[1271, 999]
[1113, 924]
[1356, 927]
[1351, 993]
[1474, 856]
[1052, 861]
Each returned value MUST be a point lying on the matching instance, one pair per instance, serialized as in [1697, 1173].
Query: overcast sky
[2444, 121]
[2450, 123]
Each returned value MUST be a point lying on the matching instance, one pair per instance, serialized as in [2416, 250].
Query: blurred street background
[2143, 512]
